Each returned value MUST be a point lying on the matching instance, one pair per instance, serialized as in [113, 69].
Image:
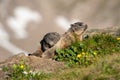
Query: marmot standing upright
[75, 32]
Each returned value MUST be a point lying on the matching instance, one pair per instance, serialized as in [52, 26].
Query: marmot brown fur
[74, 33]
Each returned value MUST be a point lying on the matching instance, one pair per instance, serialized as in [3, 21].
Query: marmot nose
[86, 26]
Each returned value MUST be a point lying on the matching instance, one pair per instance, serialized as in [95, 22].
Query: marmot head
[78, 28]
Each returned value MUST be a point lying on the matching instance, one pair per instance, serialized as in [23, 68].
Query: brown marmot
[74, 33]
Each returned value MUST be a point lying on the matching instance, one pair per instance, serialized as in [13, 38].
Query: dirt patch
[35, 63]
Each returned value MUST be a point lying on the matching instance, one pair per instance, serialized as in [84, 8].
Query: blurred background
[23, 23]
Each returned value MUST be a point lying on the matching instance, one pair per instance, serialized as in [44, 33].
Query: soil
[36, 64]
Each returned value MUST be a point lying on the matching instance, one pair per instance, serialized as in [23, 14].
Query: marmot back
[49, 40]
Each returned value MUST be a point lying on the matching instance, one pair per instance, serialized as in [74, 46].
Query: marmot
[74, 33]
[48, 41]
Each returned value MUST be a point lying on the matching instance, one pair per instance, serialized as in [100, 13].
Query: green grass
[106, 68]
[21, 71]
[85, 52]
[96, 58]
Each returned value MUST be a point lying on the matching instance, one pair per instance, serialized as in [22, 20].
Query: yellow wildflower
[118, 38]
[21, 66]
[79, 56]
[95, 53]
[83, 53]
